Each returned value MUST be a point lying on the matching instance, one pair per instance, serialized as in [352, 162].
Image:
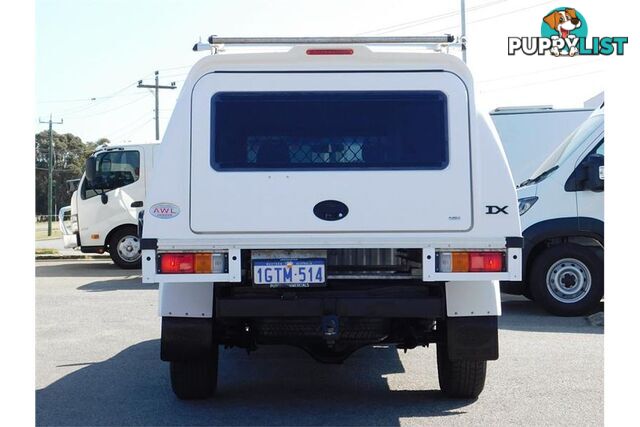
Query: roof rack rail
[524, 107]
[215, 42]
[447, 38]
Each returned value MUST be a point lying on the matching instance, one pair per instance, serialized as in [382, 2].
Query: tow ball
[330, 328]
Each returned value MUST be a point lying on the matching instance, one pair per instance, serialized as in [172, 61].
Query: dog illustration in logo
[563, 21]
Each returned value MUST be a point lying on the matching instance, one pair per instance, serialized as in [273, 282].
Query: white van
[530, 134]
[330, 195]
[562, 214]
[104, 212]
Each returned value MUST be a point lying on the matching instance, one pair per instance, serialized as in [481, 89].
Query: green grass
[41, 231]
[46, 251]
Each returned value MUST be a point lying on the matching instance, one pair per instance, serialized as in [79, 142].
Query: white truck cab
[104, 212]
[562, 214]
[529, 134]
[330, 195]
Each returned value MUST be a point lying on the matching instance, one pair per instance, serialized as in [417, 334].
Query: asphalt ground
[98, 363]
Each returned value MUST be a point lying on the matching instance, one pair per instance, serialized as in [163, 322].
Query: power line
[513, 11]
[93, 102]
[98, 102]
[175, 68]
[493, 16]
[61, 101]
[118, 131]
[111, 109]
[175, 75]
[134, 129]
[572, 76]
[94, 98]
[408, 24]
[510, 76]
[422, 21]
[128, 125]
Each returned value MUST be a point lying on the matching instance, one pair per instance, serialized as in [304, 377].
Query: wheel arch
[546, 233]
[116, 229]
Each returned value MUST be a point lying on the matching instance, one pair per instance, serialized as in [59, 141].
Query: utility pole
[50, 169]
[157, 88]
[463, 30]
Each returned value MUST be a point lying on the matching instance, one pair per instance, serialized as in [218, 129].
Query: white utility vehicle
[104, 210]
[530, 134]
[331, 194]
[562, 214]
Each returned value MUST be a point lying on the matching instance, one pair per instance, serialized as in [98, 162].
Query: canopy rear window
[329, 130]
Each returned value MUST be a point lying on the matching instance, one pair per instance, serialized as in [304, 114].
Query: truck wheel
[195, 379]
[460, 378]
[568, 279]
[124, 248]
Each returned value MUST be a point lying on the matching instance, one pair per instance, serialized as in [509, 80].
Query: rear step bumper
[370, 299]
[422, 308]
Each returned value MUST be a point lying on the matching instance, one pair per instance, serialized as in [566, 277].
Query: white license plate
[293, 272]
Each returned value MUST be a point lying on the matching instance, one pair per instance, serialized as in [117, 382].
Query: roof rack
[524, 107]
[215, 42]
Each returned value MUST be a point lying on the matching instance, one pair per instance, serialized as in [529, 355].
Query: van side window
[116, 168]
[329, 130]
[600, 149]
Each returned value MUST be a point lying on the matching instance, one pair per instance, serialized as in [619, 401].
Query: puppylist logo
[564, 33]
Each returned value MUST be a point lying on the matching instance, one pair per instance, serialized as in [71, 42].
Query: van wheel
[460, 378]
[568, 279]
[124, 248]
[195, 379]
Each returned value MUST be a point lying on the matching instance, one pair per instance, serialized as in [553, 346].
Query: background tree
[70, 154]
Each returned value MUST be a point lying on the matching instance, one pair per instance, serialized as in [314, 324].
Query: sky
[90, 54]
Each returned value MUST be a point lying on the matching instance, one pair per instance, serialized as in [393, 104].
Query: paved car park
[97, 363]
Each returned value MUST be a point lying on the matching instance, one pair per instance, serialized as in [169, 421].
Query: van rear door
[268, 147]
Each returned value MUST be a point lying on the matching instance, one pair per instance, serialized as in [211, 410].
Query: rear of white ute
[330, 197]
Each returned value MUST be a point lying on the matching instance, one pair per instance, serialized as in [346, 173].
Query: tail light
[193, 263]
[463, 262]
[486, 261]
[177, 263]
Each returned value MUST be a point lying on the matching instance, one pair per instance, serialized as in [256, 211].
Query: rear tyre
[195, 379]
[125, 249]
[526, 292]
[460, 378]
[568, 279]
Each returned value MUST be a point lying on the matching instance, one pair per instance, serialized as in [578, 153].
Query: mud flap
[185, 339]
[472, 338]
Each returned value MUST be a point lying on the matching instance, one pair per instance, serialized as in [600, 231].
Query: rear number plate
[294, 272]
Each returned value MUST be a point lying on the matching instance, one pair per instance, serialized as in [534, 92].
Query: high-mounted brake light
[329, 51]
[463, 262]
